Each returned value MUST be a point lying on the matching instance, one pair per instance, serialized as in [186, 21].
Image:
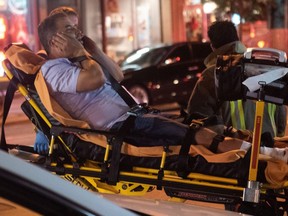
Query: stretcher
[241, 185]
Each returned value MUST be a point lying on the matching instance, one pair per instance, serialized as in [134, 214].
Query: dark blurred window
[181, 53]
[201, 51]
[145, 59]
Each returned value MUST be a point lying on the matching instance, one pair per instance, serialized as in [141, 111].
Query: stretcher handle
[256, 141]
[266, 54]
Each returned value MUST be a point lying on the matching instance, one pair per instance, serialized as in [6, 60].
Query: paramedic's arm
[103, 59]
[91, 75]
[280, 120]
[203, 98]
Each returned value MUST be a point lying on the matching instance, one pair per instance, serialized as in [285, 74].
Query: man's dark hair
[64, 9]
[221, 33]
[47, 28]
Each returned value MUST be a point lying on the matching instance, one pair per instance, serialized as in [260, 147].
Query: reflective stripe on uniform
[238, 118]
[237, 112]
[271, 112]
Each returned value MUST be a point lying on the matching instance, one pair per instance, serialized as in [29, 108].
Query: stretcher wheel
[259, 209]
[232, 207]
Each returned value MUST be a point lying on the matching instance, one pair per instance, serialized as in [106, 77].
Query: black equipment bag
[229, 77]
[232, 70]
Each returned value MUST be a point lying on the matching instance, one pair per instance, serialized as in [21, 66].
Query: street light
[209, 7]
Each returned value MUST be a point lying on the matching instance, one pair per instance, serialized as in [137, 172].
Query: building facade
[121, 26]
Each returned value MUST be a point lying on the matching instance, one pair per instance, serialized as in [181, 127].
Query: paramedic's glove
[41, 144]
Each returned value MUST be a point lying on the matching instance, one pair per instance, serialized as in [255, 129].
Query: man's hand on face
[67, 45]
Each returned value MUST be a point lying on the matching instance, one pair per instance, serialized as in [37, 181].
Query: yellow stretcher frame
[142, 180]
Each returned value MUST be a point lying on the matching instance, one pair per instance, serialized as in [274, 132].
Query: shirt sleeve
[61, 75]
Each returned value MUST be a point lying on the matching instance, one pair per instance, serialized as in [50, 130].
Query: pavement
[16, 114]
[16, 118]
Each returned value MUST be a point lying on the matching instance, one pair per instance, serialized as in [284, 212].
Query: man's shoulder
[54, 63]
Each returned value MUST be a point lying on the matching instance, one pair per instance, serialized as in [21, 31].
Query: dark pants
[153, 130]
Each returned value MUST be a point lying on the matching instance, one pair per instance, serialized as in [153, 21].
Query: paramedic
[84, 91]
[239, 114]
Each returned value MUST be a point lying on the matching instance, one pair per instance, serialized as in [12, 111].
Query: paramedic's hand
[68, 45]
[41, 144]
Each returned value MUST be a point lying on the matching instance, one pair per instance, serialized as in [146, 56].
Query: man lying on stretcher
[85, 92]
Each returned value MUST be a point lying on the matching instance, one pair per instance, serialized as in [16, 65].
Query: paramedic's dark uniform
[239, 114]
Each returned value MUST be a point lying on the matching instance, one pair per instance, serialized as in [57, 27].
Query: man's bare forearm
[103, 59]
[91, 76]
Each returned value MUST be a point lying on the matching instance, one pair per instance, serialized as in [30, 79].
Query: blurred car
[26, 189]
[165, 73]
